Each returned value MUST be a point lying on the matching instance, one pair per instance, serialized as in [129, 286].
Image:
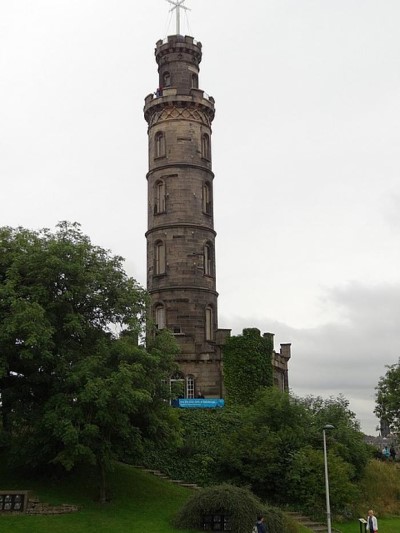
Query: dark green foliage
[238, 503]
[388, 397]
[347, 440]
[306, 483]
[275, 446]
[260, 451]
[196, 457]
[247, 365]
[278, 450]
[278, 522]
[75, 386]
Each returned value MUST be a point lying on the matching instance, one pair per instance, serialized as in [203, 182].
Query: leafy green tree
[74, 384]
[388, 397]
[306, 481]
[278, 450]
[348, 442]
[247, 365]
[260, 452]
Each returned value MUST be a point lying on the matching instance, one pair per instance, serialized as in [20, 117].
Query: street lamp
[328, 505]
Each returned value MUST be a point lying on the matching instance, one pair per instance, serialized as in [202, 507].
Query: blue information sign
[198, 403]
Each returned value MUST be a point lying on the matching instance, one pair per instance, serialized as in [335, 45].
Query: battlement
[178, 48]
[178, 40]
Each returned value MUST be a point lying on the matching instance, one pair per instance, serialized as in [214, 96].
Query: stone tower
[181, 271]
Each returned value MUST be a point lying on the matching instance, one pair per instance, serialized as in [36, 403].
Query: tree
[75, 385]
[247, 365]
[260, 452]
[348, 442]
[277, 449]
[388, 397]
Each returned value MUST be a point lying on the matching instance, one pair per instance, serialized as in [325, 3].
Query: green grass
[387, 525]
[140, 503]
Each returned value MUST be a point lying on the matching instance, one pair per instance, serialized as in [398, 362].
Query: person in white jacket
[372, 522]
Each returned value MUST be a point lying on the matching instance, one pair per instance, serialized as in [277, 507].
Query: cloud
[345, 357]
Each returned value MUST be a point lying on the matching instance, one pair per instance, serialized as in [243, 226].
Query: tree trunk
[102, 481]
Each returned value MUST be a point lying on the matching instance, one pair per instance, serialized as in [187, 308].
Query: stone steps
[161, 475]
[312, 525]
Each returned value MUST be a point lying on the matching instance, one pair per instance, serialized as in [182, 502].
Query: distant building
[181, 267]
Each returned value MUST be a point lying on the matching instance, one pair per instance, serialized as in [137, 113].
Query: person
[261, 525]
[392, 453]
[200, 394]
[372, 522]
[386, 452]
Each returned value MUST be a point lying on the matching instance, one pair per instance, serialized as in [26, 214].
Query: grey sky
[305, 152]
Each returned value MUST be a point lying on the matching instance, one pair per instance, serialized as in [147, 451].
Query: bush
[196, 459]
[380, 489]
[238, 503]
[306, 484]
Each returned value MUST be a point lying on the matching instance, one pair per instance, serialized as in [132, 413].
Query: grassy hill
[139, 503]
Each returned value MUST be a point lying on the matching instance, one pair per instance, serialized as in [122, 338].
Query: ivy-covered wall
[247, 365]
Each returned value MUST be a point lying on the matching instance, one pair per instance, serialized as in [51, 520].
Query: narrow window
[206, 198]
[160, 316]
[205, 146]
[159, 203]
[195, 81]
[159, 254]
[190, 387]
[209, 324]
[208, 259]
[177, 385]
[166, 79]
[160, 144]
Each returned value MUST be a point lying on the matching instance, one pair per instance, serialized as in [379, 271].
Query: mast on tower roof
[178, 5]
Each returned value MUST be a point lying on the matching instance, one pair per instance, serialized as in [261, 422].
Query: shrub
[306, 483]
[196, 459]
[380, 489]
[238, 503]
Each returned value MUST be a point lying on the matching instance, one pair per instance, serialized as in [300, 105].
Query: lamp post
[328, 505]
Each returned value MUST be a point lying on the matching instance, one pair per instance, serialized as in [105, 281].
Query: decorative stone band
[199, 114]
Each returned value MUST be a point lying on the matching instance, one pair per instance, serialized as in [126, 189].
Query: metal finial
[178, 5]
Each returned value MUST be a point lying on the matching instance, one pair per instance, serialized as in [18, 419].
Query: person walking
[372, 522]
[261, 525]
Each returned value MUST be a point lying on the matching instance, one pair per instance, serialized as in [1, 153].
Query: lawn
[386, 525]
[140, 502]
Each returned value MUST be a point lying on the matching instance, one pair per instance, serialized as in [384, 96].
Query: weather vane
[178, 5]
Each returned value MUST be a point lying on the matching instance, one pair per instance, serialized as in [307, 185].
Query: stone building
[181, 268]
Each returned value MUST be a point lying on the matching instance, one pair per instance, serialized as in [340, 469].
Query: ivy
[247, 365]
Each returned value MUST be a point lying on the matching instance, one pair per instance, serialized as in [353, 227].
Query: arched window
[159, 257]
[205, 146]
[159, 144]
[189, 387]
[160, 316]
[166, 79]
[206, 198]
[195, 81]
[177, 385]
[208, 259]
[209, 323]
[159, 197]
